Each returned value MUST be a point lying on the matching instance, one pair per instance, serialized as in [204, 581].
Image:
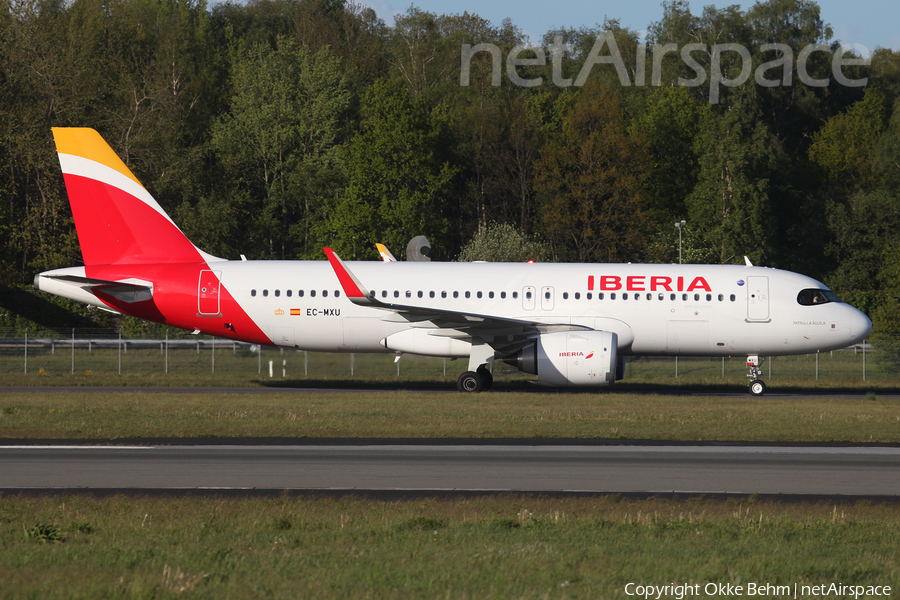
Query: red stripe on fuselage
[174, 300]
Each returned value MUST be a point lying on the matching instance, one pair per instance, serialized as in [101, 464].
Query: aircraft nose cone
[860, 325]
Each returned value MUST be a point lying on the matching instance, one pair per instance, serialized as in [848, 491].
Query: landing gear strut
[757, 387]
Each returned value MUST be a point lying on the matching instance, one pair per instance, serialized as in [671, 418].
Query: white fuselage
[687, 310]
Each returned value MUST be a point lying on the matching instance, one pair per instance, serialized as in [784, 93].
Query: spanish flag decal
[295, 312]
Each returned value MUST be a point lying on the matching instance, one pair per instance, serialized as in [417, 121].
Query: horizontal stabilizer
[126, 291]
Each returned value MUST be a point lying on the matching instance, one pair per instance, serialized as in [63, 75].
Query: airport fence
[174, 353]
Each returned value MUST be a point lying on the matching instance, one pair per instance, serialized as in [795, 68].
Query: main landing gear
[475, 381]
[757, 387]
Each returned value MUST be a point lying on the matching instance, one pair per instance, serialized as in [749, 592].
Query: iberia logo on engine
[572, 354]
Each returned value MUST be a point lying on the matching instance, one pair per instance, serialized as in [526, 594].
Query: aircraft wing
[455, 323]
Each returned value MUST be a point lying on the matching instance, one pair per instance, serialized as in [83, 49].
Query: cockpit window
[813, 297]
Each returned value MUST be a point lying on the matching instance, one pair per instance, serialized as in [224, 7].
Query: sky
[869, 23]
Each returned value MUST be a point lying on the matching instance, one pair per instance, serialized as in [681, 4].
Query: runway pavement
[846, 471]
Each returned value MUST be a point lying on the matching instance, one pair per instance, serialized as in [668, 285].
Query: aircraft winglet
[354, 290]
[386, 255]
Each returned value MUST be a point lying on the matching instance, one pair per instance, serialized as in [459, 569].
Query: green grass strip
[413, 414]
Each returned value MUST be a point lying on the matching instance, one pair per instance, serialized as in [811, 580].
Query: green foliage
[43, 533]
[842, 148]
[398, 178]
[274, 127]
[499, 242]
[864, 246]
[590, 180]
[280, 142]
[730, 208]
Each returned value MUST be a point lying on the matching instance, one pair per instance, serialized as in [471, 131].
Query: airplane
[571, 325]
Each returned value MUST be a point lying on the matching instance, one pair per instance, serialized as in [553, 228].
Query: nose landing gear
[757, 387]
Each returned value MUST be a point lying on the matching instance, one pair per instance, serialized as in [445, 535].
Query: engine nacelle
[570, 358]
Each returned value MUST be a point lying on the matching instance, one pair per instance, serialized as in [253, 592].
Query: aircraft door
[757, 298]
[208, 293]
[547, 298]
[528, 294]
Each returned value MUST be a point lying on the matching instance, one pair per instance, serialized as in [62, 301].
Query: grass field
[509, 546]
[227, 364]
[412, 414]
[492, 547]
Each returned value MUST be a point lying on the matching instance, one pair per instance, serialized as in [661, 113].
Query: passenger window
[384, 293]
[396, 293]
[649, 296]
[468, 294]
[684, 297]
[456, 294]
[265, 293]
[708, 297]
[732, 297]
[516, 295]
[502, 295]
[721, 297]
[490, 294]
[300, 293]
[528, 295]
[443, 294]
[409, 293]
[420, 293]
[324, 293]
[372, 293]
[253, 293]
[565, 295]
[312, 293]
[289, 292]
[612, 296]
[547, 295]
[662, 296]
[624, 296]
[431, 294]
[672, 297]
[337, 293]
[588, 296]
[277, 293]
[478, 294]
[578, 295]
[600, 296]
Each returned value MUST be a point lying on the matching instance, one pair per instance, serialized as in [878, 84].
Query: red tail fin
[117, 220]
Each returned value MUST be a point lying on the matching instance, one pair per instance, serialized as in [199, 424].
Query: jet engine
[570, 358]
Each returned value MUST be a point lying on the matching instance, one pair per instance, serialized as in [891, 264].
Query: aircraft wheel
[486, 377]
[757, 387]
[470, 382]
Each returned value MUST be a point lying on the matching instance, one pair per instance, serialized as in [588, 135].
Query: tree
[730, 206]
[500, 242]
[398, 180]
[842, 148]
[590, 179]
[671, 122]
[280, 141]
